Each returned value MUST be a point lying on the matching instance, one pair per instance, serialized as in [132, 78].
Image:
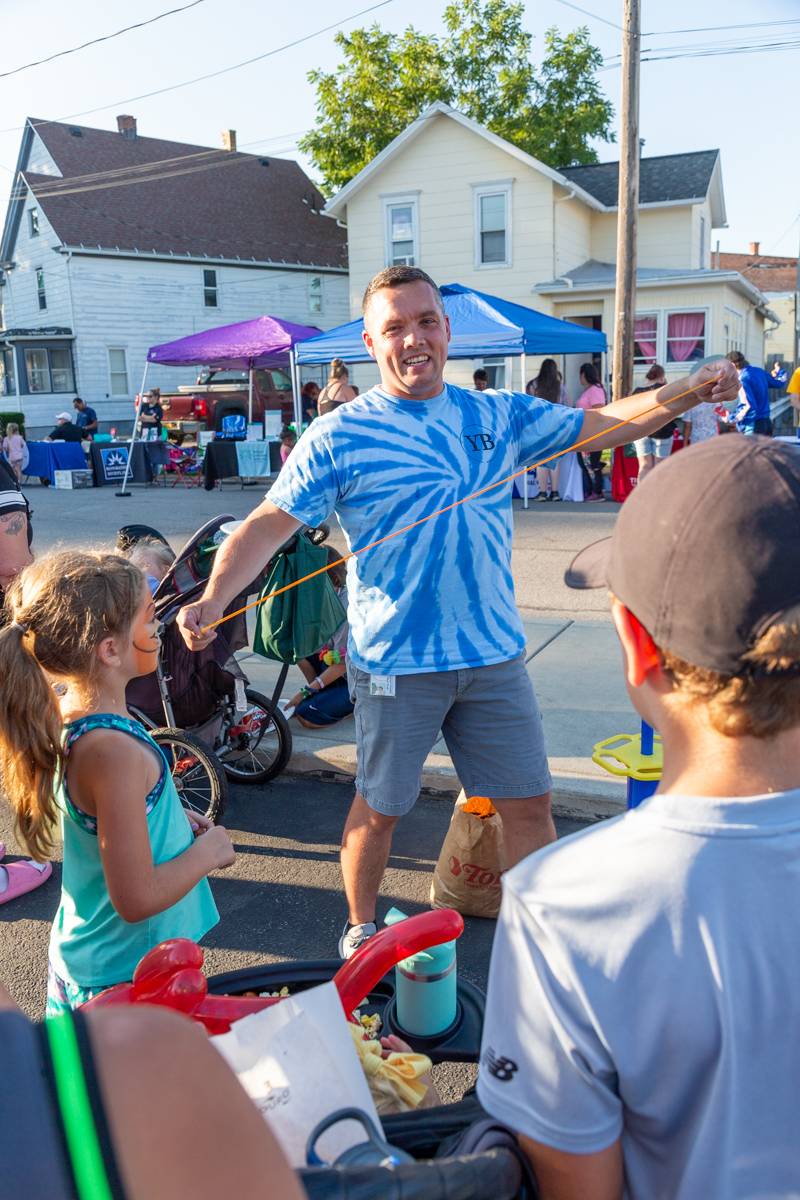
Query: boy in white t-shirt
[642, 1033]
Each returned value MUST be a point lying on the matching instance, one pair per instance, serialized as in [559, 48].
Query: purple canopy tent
[260, 342]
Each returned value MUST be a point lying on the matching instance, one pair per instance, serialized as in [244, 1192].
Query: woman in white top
[700, 423]
[548, 386]
[338, 390]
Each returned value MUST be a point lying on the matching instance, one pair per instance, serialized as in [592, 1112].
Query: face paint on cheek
[145, 645]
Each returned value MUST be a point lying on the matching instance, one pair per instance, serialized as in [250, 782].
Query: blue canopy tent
[481, 325]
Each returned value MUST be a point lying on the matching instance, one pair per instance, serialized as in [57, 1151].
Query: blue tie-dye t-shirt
[439, 597]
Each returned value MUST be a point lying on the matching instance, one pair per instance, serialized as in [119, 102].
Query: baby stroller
[198, 705]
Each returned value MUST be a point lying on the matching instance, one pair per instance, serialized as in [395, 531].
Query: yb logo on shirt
[478, 440]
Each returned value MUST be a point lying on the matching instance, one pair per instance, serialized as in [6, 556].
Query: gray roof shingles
[243, 206]
[661, 179]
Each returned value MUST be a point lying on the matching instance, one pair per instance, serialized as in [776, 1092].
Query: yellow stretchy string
[439, 511]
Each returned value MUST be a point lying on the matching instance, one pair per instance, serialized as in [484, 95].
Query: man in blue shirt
[753, 412]
[436, 642]
[85, 418]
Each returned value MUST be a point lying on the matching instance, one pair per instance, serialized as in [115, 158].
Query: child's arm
[111, 778]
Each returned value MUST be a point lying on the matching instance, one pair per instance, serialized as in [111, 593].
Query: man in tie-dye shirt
[436, 642]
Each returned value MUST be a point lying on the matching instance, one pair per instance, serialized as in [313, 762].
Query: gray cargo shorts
[490, 721]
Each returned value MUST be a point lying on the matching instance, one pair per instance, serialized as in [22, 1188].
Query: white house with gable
[114, 242]
[452, 197]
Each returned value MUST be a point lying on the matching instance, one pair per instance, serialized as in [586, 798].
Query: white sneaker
[354, 936]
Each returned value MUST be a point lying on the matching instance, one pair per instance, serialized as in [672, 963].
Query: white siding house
[452, 197]
[93, 273]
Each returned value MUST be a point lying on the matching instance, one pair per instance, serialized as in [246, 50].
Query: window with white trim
[401, 232]
[315, 294]
[686, 336]
[645, 339]
[493, 225]
[49, 369]
[495, 369]
[40, 292]
[118, 371]
[33, 222]
[733, 329]
[210, 289]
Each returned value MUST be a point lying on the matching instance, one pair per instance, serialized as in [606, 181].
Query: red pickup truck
[219, 393]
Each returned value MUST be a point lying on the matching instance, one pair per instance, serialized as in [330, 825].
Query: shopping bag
[297, 1062]
[471, 861]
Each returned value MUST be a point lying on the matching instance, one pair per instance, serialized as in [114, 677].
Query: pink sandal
[24, 876]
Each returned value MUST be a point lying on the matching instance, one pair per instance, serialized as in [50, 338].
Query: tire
[199, 780]
[258, 756]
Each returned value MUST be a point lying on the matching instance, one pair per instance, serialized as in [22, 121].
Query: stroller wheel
[257, 744]
[199, 780]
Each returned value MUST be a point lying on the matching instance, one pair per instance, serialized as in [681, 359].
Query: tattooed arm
[14, 550]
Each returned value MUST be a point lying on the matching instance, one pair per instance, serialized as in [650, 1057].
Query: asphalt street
[282, 898]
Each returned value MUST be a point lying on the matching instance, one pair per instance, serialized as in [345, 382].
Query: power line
[708, 52]
[586, 13]
[215, 74]
[714, 28]
[95, 41]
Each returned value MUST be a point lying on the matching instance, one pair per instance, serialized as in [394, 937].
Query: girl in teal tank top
[83, 625]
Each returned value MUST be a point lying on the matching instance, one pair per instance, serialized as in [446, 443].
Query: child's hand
[218, 846]
[199, 822]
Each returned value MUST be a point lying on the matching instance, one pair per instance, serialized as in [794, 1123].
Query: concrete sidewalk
[577, 673]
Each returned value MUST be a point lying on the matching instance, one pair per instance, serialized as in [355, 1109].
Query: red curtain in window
[645, 333]
[684, 333]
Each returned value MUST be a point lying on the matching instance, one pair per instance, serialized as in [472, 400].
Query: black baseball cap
[706, 553]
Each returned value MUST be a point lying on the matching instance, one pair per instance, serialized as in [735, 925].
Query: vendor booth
[482, 326]
[262, 342]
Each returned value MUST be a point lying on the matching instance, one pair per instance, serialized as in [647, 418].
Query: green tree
[482, 66]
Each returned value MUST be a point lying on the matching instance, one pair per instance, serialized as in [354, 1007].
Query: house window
[495, 368]
[315, 294]
[733, 330]
[401, 233]
[686, 336]
[33, 222]
[40, 292]
[49, 369]
[118, 371]
[210, 289]
[645, 343]
[7, 377]
[492, 226]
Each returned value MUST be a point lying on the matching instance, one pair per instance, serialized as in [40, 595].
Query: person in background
[308, 400]
[700, 423]
[592, 396]
[793, 392]
[15, 449]
[326, 697]
[549, 386]
[658, 446]
[151, 414]
[337, 391]
[154, 559]
[65, 430]
[480, 380]
[288, 443]
[651, 961]
[85, 418]
[753, 414]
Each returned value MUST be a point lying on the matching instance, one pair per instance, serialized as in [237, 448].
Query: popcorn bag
[471, 861]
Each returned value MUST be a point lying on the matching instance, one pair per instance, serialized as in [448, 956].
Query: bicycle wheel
[200, 783]
[257, 744]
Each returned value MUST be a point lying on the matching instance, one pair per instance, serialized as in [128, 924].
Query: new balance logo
[502, 1068]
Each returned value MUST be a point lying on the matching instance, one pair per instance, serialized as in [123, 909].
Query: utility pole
[625, 305]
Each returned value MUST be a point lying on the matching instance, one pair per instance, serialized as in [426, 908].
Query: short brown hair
[760, 701]
[737, 358]
[394, 277]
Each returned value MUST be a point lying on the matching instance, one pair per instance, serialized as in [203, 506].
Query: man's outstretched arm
[240, 559]
[717, 382]
[563, 1176]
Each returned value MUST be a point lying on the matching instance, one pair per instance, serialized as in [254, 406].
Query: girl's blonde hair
[11, 428]
[338, 370]
[60, 609]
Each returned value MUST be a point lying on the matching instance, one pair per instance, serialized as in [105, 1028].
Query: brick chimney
[127, 126]
[754, 247]
[229, 140]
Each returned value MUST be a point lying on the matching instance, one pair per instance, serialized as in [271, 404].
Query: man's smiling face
[407, 334]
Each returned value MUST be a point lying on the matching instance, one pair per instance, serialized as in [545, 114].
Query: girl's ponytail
[31, 758]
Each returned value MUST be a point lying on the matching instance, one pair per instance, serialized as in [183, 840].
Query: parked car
[220, 393]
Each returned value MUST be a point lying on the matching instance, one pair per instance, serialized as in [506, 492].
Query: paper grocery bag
[471, 861]
[297, 1062]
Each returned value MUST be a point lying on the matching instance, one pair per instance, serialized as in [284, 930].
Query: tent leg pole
[128, 465]
[250, 395]
[298, 408]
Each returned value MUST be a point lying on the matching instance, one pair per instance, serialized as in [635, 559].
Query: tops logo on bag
[474, 874]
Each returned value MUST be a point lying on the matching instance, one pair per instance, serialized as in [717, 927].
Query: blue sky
[744, 104]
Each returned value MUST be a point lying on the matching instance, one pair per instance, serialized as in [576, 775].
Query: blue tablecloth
[48, 457]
